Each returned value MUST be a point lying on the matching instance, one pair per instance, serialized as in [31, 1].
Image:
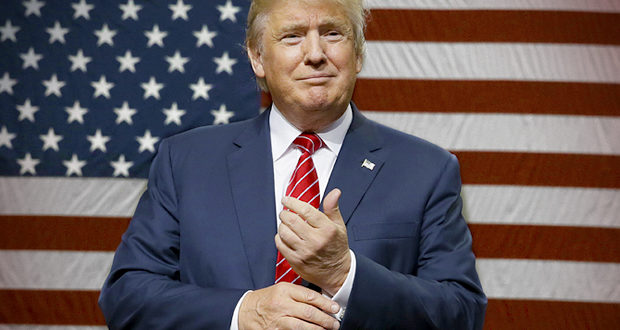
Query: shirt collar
[283, 133]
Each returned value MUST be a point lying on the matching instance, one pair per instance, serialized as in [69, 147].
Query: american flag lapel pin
[368, 164]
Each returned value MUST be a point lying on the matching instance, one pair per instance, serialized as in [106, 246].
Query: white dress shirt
[285, 156]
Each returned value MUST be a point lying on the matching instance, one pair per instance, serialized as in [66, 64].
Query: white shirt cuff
[342, 296]
[234, 324]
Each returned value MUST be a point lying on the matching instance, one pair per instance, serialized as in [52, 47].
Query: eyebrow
[325, 22]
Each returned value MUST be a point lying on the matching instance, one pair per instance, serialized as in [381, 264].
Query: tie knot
[308, 142]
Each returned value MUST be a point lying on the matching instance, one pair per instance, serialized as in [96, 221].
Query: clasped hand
[316, 246]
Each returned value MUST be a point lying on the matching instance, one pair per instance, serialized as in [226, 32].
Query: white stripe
[315, 196]
[556, 280]
[281, 261]
[49, 327]
[566, 5]
[501, 278]
[542, 205]
[311, 141]
[509, 132]
[483, 203]
[280, 278]
[303, 177]
[70, 197]
[54, 270]
[296, 169]
[308, 188]
[492, 61]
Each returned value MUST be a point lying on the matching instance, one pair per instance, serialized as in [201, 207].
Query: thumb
[330, 205]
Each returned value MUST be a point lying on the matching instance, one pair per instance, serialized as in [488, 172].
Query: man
[214, 241]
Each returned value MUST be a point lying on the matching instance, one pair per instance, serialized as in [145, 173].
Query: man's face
[308, 59]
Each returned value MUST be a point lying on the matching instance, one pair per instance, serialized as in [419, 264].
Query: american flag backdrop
[526, 93]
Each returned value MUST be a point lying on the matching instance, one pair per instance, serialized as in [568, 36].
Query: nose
[314, 51]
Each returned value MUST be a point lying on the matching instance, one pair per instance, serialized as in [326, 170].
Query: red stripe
[80, 308]
[523, 97]
[61, 233]
[494, 26]
[490, 240]
[546, 242]
[551, 315]
[53, 307]
[540, 169]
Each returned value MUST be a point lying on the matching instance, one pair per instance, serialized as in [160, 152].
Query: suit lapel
[348, 174]
[251, 174]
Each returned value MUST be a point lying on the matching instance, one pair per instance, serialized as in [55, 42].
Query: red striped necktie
[304, 185]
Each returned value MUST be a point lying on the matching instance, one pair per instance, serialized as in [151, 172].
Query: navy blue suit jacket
[203, 232]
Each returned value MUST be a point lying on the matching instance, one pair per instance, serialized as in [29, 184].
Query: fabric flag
[525, 93]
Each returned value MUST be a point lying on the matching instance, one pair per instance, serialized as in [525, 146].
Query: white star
[74, 166]
[6, 137]
[156, 37]
[79, 61]
[27, 111]
[201, 89]
[130, 10]
[151, 88]
[105, 35]
[31, 59]
[176, 62]
[8, 31]
[57, 33]
[27, 164]
[222, 116]
[173, 115]
[128, 62]
[6, 84]
[76, 113]
[98, 141]
[33, 7]
[147, 142]
[50, 140]
[124, 114]
[224, 63]
[180, 10]
[102, 87]
[228, 11]
[121, 166]
[53, 86]
[82, 9]
[205, 37]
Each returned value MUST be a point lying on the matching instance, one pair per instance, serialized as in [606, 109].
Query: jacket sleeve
[143, 289]
[443, 293]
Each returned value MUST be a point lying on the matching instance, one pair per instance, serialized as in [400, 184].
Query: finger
[304, 210]
[295, 223]
[313, 316]
[288, 236]
[330, 205]
[291, 322]
[311, 297]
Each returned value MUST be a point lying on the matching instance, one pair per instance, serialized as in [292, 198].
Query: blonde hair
[259, 13]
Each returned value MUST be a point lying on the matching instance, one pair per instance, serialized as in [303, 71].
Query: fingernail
[284, 199]
[336, 324]
[335, 308]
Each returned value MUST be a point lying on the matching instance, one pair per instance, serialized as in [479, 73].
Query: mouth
[317, 78]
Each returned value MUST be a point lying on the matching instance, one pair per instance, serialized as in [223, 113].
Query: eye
[291, 38]
[333, 35]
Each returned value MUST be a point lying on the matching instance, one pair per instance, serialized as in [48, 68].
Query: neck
[312, 120]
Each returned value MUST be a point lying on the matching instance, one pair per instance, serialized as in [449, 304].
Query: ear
[257, 63]
[359, 63]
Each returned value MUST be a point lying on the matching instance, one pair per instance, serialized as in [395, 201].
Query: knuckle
[306, 210]
[309, 312]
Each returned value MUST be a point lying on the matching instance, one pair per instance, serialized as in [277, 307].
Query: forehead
[287, 14]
